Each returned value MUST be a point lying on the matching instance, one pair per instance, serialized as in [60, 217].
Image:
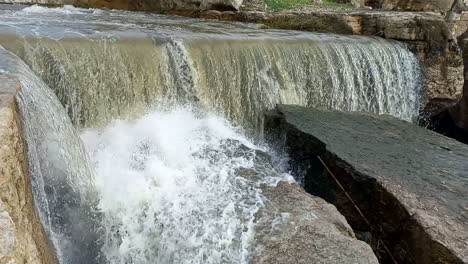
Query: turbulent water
[163, 175]
[172, 189]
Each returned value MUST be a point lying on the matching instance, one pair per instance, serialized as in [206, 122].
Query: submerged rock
[410, 183]
[296, 227]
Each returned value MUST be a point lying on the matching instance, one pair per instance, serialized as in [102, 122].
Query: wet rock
[410, 183]
[295, 227]
[22, 238]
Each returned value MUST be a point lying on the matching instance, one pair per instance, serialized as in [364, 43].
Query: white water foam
[66, 9]
[178, 186]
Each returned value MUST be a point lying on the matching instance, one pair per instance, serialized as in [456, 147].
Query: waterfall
[138, 126]
[118, 65]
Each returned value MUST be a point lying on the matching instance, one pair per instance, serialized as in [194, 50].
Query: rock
[214, 14]
[444, 120]
[292, 226]
[409, 182]
[295, 227]
[220, 4]
[22, 238]
[439, 6]
[7, 235]
[451, 119]
[358, 3]
[441, 115]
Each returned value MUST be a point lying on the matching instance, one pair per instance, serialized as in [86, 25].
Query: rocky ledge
[411, 184]
[22, 238]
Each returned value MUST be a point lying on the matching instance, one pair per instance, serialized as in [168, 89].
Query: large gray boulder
[410, 183]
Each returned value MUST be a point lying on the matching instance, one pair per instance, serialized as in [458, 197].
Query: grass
[289, 4]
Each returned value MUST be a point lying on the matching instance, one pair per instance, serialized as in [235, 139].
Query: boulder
[410, 183]
[22, 237]
[298, 228]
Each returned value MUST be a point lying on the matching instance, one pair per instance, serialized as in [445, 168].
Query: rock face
[22, 238]
[295, 227]
[409, 182]
[439, 6]
[450, 117]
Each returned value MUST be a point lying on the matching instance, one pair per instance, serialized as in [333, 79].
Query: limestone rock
[440, 6]
[410, 183]
[358, 3]
[7, 234]
[450, 117]
[295, 227]
[22, 238]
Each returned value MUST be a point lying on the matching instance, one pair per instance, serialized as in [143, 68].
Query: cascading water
[62, 181]
[172, 189]
[129, 59]
[174, 185]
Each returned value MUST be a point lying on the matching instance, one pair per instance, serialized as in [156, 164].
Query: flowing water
[62, 180]
[108, 64]
[163, 106]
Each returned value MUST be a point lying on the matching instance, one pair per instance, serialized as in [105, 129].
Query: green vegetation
[289, 4]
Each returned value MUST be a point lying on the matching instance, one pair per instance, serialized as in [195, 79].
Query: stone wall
[22, 238]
